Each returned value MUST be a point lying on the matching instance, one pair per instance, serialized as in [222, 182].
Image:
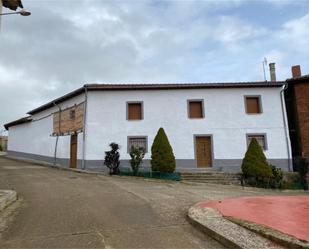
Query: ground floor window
[261, 138]
[137, 142]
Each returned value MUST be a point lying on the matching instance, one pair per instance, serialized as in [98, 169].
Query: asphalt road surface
[64, 209]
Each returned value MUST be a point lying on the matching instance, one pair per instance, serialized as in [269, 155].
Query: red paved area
[288, 214]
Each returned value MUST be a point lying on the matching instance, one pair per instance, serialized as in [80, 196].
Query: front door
[73, 151]
[203, 151]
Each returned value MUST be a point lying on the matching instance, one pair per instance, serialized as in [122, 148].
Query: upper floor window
[195, 109]
[253, 104]
[134, 110]
[261, 139]
[137, 142]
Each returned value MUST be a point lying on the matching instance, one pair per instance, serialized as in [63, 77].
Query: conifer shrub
[255, 165]
[162, 156]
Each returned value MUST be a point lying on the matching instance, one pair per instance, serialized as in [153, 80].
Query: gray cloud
[62, 46]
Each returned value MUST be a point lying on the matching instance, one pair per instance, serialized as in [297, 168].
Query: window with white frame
[261, 139]
[137, 142]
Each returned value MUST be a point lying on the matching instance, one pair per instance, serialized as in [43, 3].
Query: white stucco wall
[35, 137]
[225, 119]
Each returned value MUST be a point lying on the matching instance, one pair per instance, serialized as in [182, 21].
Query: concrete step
[215, 182]
[214, 176]
[209, 173]
[212, 181]
[207, 177]
[196, 170]
[211, 177]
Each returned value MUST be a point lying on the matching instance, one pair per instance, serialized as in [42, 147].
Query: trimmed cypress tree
[255, 163]
[162, 156]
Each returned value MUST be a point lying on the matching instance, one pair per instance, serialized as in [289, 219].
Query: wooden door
[203, 152]
[73, 151]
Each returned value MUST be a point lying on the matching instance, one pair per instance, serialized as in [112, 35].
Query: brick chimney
[296, 71]
[272, 70]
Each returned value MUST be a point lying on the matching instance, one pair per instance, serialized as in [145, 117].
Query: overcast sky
[67, 43]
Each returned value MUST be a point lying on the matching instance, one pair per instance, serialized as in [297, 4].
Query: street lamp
[22, 13]
[12, 5]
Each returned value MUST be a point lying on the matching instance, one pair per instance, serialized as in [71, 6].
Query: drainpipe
[84, 128]
[287, 137]
[57, 138]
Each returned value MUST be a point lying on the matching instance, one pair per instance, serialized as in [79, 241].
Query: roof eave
[57, 101]
[128, 87]
[17, 122]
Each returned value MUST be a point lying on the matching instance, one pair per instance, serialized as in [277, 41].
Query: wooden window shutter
[253, 105]
[134, 111]
[195, 109]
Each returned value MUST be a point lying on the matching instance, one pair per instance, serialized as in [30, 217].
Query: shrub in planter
[137, 155]
[162, 156]
[112, 159]
[254, 164]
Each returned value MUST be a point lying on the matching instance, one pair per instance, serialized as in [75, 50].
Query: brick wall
[68, 124]
[302, 105]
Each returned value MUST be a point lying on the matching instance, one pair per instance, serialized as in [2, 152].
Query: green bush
[277, 179]
[162, 156]
[111, 159]
[255, 164]
[137, 154]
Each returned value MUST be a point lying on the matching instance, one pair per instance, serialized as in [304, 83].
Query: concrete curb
[7, 197]
[226, 232]
[277, 236]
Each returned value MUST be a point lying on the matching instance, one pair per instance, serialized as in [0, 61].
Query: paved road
[64, 209]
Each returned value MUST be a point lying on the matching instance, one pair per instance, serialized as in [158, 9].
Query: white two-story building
[208, 125]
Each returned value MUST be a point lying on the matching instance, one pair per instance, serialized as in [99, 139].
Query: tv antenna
[264, 62]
